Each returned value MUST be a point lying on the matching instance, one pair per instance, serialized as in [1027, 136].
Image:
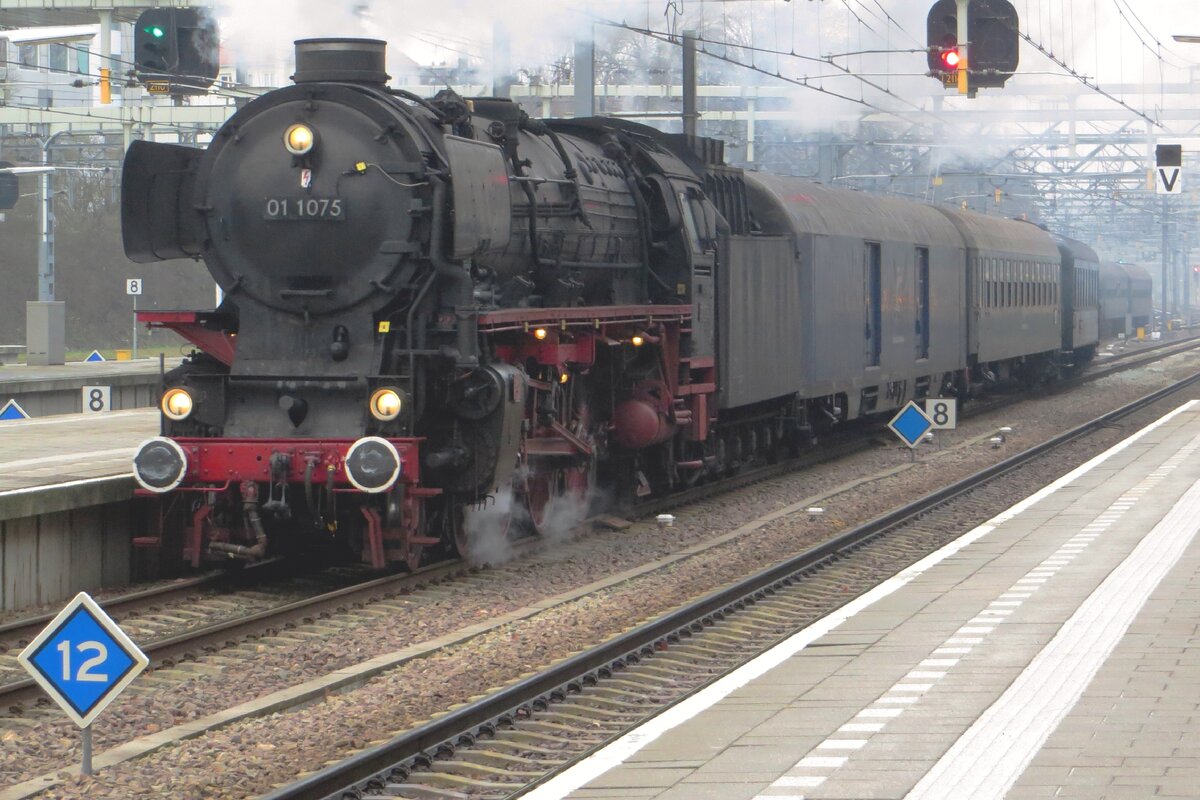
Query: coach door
[922, 302]
[872, 289]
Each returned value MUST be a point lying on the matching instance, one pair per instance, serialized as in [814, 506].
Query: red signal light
[951, 59]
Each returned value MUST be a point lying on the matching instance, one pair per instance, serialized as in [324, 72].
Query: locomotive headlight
[160, 465]
[386, 404]
[177, 404]
[372, 464]
[299, 139]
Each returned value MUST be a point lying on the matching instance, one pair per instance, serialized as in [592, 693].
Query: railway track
[243, 615]
[16, 633]
[515, 738]
[843, 445]
[174, 621]
[248, 640]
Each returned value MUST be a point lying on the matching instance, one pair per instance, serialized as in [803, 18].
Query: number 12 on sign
[84, 673]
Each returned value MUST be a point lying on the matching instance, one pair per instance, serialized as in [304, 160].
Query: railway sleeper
[522, 749]
[557, 729]
[481, 771]
[554, 716]
[590, 699]
[445, 780]
[529, 738]
[483, 753]
[719, 650]
[409, 791]
[747, 622]
[631, 684]
[693, 661]
[587, 711]
[619, 695]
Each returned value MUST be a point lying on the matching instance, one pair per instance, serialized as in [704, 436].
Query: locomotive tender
[430, 304]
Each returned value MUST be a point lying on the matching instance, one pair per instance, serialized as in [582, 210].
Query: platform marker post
[86, 736]
[910, 425]
[133, 286]
[83, 660]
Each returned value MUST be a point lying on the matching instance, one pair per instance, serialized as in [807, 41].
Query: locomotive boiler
[437, 306]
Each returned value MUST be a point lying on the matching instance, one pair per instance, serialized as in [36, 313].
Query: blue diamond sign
[12, 410]
[911, 424]
[83, 660]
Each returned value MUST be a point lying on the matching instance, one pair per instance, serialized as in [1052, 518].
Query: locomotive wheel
[491, 524]
[557, 496]
[578, 481]
[394, 518]
[543, 491]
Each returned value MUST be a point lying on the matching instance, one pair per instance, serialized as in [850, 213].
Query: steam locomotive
[432, 304]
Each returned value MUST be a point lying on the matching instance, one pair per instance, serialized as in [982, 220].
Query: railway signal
[176, 50]
[982, 54]
[950, 58]
[1168, 162]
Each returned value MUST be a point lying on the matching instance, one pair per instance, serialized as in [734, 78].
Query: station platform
[47, 391]
[65, 516]
[1053, 651]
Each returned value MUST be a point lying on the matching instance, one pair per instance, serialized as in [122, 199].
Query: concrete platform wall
[46, 398]
[58, 541]
[49, 558]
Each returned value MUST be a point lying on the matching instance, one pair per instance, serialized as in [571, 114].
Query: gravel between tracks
[247, 758]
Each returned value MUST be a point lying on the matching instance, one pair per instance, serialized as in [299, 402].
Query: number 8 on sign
[133, 286]
[95, 399]
[943, 412]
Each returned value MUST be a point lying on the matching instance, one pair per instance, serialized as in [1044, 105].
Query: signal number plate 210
[299, 209]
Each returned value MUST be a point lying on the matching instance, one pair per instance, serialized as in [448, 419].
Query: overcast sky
[1112, 42]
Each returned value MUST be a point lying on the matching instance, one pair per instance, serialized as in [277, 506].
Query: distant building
[52, 67]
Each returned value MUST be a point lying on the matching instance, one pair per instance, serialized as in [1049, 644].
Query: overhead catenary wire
[804, 82]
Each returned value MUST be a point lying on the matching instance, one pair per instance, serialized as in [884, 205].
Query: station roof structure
[32, 13]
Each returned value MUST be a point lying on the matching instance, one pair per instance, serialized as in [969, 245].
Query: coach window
[28, 56]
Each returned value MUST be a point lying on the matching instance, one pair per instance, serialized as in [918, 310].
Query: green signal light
[156, 32]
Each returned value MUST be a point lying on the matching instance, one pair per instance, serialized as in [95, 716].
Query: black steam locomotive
[434, 303]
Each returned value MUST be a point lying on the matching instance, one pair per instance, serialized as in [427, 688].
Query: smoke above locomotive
[434, 303]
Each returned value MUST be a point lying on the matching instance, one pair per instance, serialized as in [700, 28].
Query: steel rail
[167, 651]
[465, 724]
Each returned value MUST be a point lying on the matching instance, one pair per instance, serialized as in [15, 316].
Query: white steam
[492, 526]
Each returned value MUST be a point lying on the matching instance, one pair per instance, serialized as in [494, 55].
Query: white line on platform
[94, 455]
[987, 760]
[66, 485]
[90, 420]
[623, 748]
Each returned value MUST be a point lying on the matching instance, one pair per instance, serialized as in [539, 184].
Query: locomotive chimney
[350, 60]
